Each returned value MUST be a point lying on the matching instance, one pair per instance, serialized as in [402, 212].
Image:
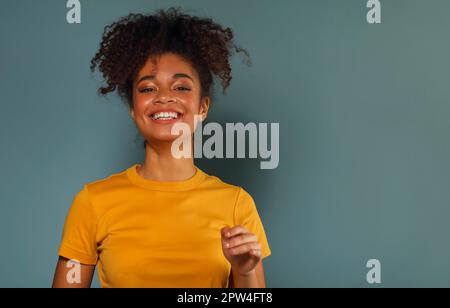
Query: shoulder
[104, 188]
[112, 181]
[239, 193]
[213, 181]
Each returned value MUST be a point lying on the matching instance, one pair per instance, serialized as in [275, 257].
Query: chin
[163, 137]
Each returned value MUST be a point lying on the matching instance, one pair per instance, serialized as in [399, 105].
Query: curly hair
[128, 43]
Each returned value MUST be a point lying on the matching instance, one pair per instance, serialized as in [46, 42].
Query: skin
[173, 83]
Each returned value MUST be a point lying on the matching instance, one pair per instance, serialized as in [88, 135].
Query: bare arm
[60, 279]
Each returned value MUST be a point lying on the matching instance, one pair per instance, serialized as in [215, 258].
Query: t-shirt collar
[183, 185]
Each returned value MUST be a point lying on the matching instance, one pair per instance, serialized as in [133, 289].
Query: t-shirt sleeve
[78, 240]
[246, 214]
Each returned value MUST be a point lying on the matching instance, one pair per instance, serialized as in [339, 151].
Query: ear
[204, 107]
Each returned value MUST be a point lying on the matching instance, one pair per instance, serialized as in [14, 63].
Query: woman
[165, 222]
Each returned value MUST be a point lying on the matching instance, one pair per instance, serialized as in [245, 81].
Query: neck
[160, 165]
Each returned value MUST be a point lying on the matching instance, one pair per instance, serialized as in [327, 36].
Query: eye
[181, 88]
[146, 90]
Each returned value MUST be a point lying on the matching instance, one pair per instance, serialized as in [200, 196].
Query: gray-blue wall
[364, 133]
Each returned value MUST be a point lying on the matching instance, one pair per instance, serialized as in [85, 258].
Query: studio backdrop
[351, 99]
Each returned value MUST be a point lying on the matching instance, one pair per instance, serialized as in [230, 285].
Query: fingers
[240, 239]
[228, 232]
[253, 248]
[256, 252]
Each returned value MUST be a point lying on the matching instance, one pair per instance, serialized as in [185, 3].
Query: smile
[164, 116]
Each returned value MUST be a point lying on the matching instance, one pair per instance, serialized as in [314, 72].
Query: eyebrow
[178, 75]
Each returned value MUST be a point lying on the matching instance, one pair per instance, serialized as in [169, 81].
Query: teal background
[364, 133]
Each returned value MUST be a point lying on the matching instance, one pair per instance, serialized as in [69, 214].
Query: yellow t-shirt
[145, 233]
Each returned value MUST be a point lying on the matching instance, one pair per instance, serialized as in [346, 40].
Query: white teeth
[165, 115]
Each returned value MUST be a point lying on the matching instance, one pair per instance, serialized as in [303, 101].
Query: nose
[163, 97]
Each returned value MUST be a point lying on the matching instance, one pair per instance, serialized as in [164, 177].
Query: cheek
[193, 105]
[193, 115]
[139, 105]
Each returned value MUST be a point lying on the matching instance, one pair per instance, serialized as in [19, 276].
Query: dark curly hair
[128, 43]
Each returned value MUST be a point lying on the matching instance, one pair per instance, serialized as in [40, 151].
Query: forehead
[168, 63]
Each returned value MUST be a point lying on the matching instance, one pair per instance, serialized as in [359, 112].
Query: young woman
[165, 222]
